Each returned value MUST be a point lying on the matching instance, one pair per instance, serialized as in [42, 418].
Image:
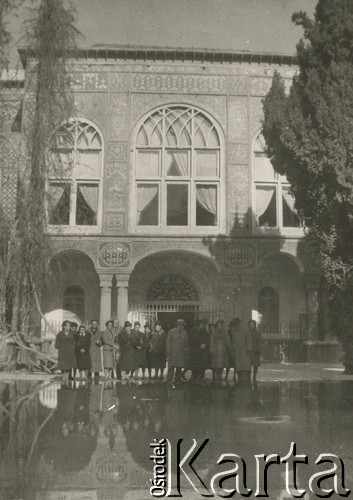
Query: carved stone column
[106, 299]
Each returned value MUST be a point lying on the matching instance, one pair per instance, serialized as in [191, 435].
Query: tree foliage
[51, 41]
[309, 136]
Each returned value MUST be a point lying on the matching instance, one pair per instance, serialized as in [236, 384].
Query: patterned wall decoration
[80, 81]
[238, 188]
[115, 192]
[238, 85]
[238, 119]
[117, 151]
[114, 222]
[9, 110]
[9, 158]
[172, 287]
[239, 256]
[238, 153]
[260, 85]
[189, 84]
[114, 255]
[93, 106]
[118, 117]
[120, 82]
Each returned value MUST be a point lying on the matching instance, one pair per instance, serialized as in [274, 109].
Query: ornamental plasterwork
[115, 193]
[239, 256]
[114, 255]
[238, 153]
[113, 167]
[238, 85]
[172, 287]
[117, 151]
[88, 81]
[178, 83]
[114, 223]
[260, 85]
[238, 122]
[118, 117]
[238, 188]
[120, 82]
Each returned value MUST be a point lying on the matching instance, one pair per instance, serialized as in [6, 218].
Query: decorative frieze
[260, 85]
[88, 81]
[238, 153]
[120, 82]
[239, 256]
[189, 84]
[114, 255]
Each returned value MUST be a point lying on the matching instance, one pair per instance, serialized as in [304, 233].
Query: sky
[253, 25]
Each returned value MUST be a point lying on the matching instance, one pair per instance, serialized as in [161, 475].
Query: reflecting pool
[91, 441]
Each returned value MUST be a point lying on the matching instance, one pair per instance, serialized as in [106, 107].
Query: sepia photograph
[176, 249]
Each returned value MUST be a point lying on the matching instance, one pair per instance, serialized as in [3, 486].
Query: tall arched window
[274, 204]
[74, 301]
[177, 169]
[268, 306]
[75, 175]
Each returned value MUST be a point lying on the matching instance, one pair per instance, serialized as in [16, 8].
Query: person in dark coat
[148, 333]
[140, 344]
[83, 348]
[96, 348]
[127, 361]
[65, 344]
[240, 347]
[219, 347]
[108, 349]
[157, 347]
[116, 330]
[255, 347]
[199, 359]
[176, 350]
[73, 329]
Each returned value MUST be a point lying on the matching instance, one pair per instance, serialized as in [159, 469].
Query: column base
[323, 351]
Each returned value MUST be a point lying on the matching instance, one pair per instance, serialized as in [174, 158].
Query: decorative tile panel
[238, 85]
[114, 255]
[88, 81]
[189, 84]
[117, 151]
[238, 153]
[114, 223]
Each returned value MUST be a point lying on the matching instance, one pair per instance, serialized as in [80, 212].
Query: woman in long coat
[157, 346]
[65, 343]
[127, 362]
[96, 348]
[255, 347]
[240, 348]
[108, 349]
[219, 347]
[83, 348]
[140, 344]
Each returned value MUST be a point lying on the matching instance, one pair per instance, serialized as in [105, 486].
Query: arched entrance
[73, 285]
[170, 285]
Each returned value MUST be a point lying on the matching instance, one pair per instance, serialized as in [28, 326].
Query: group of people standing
[130, 348]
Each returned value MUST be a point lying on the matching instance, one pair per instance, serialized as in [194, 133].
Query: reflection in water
[91, 441]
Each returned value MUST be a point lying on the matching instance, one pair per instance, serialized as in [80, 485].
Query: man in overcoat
[176, 350]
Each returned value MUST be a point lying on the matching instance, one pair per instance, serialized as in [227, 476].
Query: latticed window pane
[206, 205]
[148, 163]
[177, 205]
[177, 163]
[206, 163]
[59, 204]
[87, 204]
[147, 204]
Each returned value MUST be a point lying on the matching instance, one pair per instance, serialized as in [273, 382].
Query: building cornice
[169, 54]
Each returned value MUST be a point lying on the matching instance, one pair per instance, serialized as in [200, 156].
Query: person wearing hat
[140, 345]
[148, 333]
[176, 350]
[107, 338]
[127, 361]
[96, 348]
[219, 347]
[157, 346]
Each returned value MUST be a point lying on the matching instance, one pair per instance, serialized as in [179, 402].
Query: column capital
[105, 280]
[122, 280]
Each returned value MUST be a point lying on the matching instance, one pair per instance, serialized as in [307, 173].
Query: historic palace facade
[171, 208]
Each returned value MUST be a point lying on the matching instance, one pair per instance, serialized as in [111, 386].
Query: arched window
[268, 306]
[274, 204]
[75, 175]
[74, 300]
[177, 169]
